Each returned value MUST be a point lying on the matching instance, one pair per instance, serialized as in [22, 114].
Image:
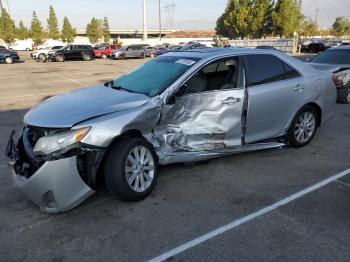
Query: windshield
[336, 56]
[153, 77]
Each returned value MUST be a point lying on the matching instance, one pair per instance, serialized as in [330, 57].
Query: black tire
[42, 58]
[291, 135]
[343, 96]
[8, 60]
[115, 173]
[104, 56]
[86, 57]
[59, 58]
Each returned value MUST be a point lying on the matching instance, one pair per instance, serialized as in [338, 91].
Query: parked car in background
[149, 51]
[42, 54]
[193, 45]
[179, 107]
[8, 56]
[130, 51]
[105, 51]
[266, 47]
[314, 47]
[73, 52]
[22, 45]
[160, 51]
[336, 60]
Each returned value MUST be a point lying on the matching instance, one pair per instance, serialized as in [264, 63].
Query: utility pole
[144, 20]
[160, 20]
[4, 4]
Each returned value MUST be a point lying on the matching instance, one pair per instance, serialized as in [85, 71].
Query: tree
[341, 26]
[106, 33]
[246, 18]
[7, 27]
[68, 32]
[94, 31]
[236, 20]
[309, 28]
[286, 17]
[22, 31]
[262, 18]
[36, 29]
[52, 25]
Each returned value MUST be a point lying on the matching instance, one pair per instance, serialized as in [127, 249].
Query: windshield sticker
[185, 62]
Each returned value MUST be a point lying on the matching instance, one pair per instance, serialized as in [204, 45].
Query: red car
[105, 51]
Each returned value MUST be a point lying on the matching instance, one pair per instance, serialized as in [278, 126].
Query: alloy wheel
[8, 60]
[305, 127]
[140, 169]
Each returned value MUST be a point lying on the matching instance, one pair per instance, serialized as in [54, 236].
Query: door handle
[299, 88]
[230, 101]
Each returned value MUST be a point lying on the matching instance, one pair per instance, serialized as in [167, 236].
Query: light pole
[160, 20]
[144, 20]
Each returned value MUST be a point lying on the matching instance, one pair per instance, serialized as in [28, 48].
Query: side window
[263, 69]
[218, 75]
[289, 72]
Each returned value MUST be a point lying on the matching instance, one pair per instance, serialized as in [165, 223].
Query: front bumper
[55, 186]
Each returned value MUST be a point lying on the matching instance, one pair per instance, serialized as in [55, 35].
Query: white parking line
[70, 79]
[247, 218]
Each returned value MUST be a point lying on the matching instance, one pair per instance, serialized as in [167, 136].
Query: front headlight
[59, 142]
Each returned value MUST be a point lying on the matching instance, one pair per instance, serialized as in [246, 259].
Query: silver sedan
[184, 106]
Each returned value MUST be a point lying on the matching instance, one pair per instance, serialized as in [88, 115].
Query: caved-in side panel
[202, 122]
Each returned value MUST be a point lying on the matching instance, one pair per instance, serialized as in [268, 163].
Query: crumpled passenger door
[202, 122]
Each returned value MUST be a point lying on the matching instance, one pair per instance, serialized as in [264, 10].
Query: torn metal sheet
[201, 122]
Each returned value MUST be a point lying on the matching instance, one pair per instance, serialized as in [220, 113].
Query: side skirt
[182, 157]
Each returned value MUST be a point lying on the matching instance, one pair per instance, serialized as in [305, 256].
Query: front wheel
[303, 127]
[8, 60]
[59, 58]
[131, 169]
[104, 56]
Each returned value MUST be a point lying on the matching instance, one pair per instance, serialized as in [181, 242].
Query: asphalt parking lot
[188, 201]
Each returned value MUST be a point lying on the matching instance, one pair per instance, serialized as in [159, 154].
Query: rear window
[333, 56]
[263, 69]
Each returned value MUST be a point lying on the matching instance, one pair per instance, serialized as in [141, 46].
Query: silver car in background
[180, 107]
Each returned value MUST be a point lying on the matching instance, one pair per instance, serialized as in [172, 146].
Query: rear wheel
[104, 56]
[131, 169]
[303, 127]
[42, 57]
[86, 57]
[59, 58]
[8, 60]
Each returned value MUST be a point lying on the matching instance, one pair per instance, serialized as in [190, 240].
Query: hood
[329, 67]
[64, 111]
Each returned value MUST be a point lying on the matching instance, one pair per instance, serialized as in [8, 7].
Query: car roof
[213, 52]
[343, 47]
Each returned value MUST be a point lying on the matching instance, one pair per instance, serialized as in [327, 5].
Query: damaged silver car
[183, 106]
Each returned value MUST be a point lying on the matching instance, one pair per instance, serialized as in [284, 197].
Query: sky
[188, 14]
